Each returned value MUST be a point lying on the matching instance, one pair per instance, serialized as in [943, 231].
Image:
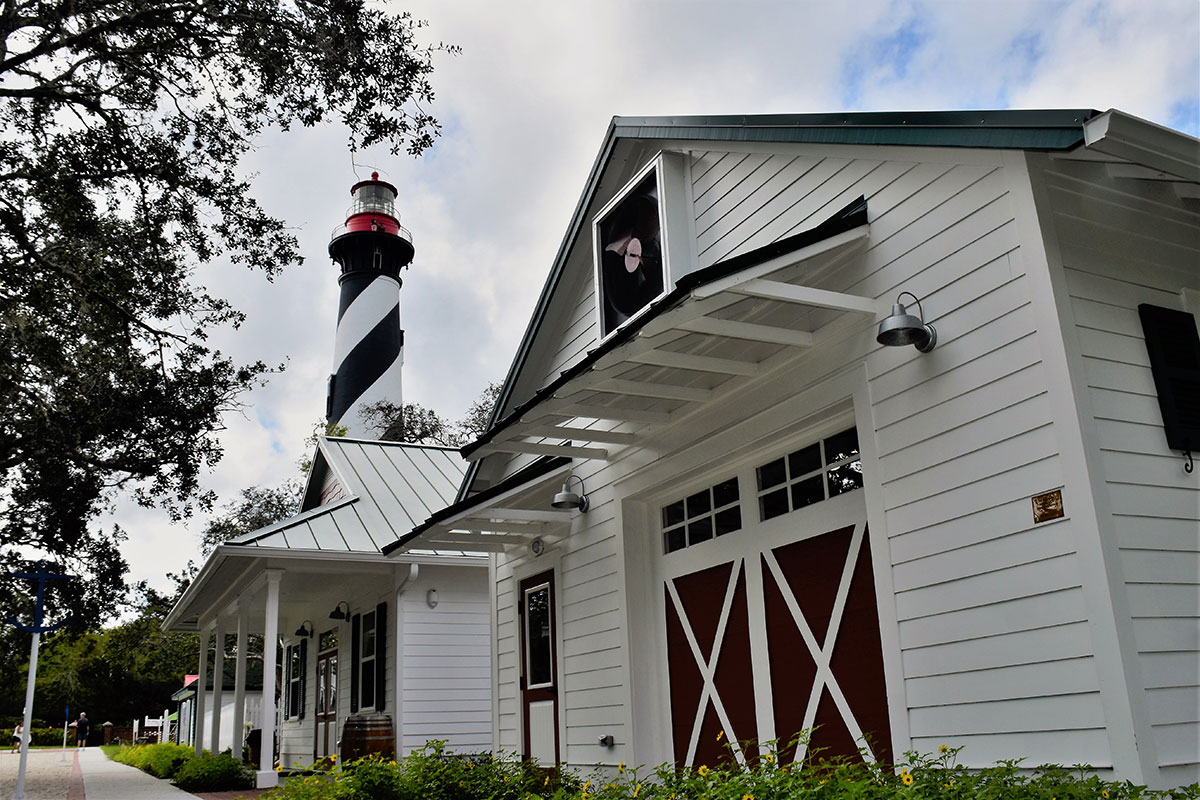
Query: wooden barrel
[366, 734]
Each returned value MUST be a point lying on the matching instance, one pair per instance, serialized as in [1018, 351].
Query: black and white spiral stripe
[368, 349]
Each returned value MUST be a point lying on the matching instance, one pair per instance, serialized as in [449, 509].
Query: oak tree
[125, 123]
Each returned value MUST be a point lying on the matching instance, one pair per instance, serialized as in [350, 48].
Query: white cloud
[525, 109]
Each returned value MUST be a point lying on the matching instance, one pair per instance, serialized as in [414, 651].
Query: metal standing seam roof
[392, 488]
[1047, 130]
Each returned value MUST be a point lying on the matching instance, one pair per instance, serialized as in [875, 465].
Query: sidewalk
[88, 775]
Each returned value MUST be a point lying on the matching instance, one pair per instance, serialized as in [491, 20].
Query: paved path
[83, 775]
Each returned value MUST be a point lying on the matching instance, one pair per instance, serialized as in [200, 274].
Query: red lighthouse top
[373, 209]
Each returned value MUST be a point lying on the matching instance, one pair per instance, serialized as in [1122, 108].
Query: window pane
[675, 539]
[368, 634]
[841, 445]
[725, 493]
[774, 504]
[329, 640]
[321, 683]
[729, 520]
[807, 492]
[368, 683]
[333, 685]
[845, 478]
[294, 696]
[294, 665]
[672, 515]
[699, 503]
[699, 531]
[805, 461]
[539, 655]
[771, 474]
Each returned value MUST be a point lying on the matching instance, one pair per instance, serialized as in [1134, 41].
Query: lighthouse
[370, 248]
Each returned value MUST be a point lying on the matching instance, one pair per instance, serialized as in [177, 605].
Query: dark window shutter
[303, 674]
[355, 658]
[381, 656]
[1174, 348]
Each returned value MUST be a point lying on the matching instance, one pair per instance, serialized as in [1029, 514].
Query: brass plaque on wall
[1048, 506]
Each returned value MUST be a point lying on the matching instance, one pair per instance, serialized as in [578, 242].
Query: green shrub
[45, 737]
[166, 759]
[373, 778]
[209, 773]
[433, 774]
[309, 787]
[160, 760]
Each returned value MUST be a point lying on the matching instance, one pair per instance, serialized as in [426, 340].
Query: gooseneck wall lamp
[305, 629]
[337, 612]
[566, 499]
[902, 328]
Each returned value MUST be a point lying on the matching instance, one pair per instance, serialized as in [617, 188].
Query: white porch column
[267, 776]
[214, 739]
[239, 682]
[205, 632]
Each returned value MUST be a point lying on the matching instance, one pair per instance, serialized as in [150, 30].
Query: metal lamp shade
[567, 499]
[902, 328]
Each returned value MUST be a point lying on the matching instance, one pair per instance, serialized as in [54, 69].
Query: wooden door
[539, 670]
[826, 661]
[822, 664]
[327, 696]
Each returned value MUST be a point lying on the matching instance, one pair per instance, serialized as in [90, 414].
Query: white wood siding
[446, 668]
[591, 655]
[1123, 243]
[995, 646]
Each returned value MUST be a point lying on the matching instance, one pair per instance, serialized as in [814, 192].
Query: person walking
[18, 735]
[82, 729]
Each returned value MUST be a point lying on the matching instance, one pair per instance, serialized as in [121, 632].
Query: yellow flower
[703, 770]
[907, 777]
[587, 785]
[547, 781]
[1104, 794]
[721, 735]
[943, 748]
[747, 796]
[768, 758]
[637, 789]
[621, 768]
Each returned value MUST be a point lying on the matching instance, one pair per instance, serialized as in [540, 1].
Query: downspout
[402, 581]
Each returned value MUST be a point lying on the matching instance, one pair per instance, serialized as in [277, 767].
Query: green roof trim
[992, 138]
[1018, 130]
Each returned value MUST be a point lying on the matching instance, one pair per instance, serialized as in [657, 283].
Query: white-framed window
[367, 660]
[295, 658]
[701, 516]
[815, 472]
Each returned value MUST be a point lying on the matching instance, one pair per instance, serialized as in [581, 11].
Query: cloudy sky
[524, 109]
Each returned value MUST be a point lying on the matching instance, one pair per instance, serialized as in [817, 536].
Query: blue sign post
[37, 629]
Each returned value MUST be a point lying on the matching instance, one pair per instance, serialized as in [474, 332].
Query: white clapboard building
[399, 645]
[880, 420]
